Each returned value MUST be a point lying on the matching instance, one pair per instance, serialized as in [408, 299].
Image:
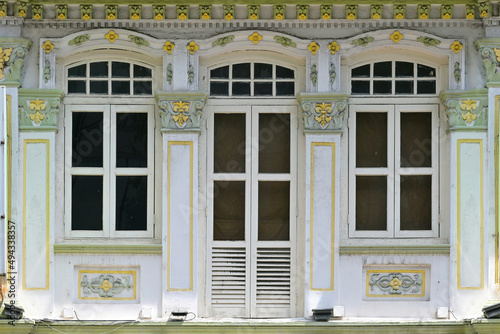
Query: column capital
[181, 111]
[12, 53]
[323, 112]
[38, 109]
[466, 110]
[489, 49]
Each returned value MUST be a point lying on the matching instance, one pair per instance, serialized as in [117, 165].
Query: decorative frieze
[399, 12]
[466, 110]
[3, 8]
[376, 11]
[302, 12]
[38, 109]
[484, 9]
[107, 285]
[181, 110]
[12, 53]
[111, 12]
[159, 12]
[37, 12]
[423, 11]
[62, 12]
[206, 12]
[228, 12]
[323, 112]
[86, 12]
[253, 12]
[326, 12]
[135, 12]
[21, 8]
[351, 12]
[279, 12]
[447, 12]
[402, 283]
[182, 12]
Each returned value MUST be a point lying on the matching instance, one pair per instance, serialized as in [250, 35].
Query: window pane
[426, 71]
[120, 70]
[371, 203]
[131, 203]
[77, 87]
[99, 70]
[78, 71]
[416, 145]
[131, 140]
[415, 205]
[274, 210]
[263, 88]
[274, 143]
[404, 69]
[382, 87]
[371, 139]
[382, 70]
[87, 141]
[98, 87]
[284, 73]
[426, 87]
[220, 73]
[404, 87]
[86, 203]
[241, 88]
[142, 72]
[360, 87]
[361, 71]
[219, 88]
[263, 71]
[143, 88]
[120, 87]
[229, 143]
[241, 71]
[285, 88]
[229, 210]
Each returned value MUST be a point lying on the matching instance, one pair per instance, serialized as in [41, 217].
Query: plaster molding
[466, 110]
[181, 111]
[323, 112]
[13, 51]
[38, 109]
[489, 49]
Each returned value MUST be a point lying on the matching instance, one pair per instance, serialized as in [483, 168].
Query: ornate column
[323, 115]
[181, 115]
[467, 113]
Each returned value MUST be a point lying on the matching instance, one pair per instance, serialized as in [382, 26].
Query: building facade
[251, 161]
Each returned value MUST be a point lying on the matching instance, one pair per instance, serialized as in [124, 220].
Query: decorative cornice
[323, 112]
[12, 54]
[181, 111]
[38, 109]
[466, 110]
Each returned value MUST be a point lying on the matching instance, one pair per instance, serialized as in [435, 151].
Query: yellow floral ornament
[106, 285]
[86, 17]
[169, 47]
[424, 16]
[181, 108]
[37, 105]
[470, 16]
[333, 47]
[255, 38]
[111, 17]
[396, 36]
[279, 17]
[111, 36]
[135, 17]
[48, 46]
[61, 16]
[399, 16]
[4, 58]
[326, 16]
[182, 16]
[36, 17]
[447, 16]
[254, 16]
[376, 16]
[313, 47]
[456, 46]
[229, 16]
[159, 17]
[484, 14]
[192, 47]
[351, 16]
[2, 13]
[22, 13]
[302, 17]
[205, 16]
[395, 283]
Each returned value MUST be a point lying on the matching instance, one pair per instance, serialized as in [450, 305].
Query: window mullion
[109, 165]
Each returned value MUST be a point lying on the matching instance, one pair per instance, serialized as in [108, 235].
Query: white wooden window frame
[109, 172]
[393, 171]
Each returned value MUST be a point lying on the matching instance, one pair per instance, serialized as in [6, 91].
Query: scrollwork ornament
[323, 115]
[490, 60]
[12, 55]
[396, 283]
[466, 110]
[106, 286]
[181, 112]
[38, 109]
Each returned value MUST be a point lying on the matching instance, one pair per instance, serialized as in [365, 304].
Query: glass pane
[77, 87]
[284, 73]
[415, 205]
[229, 143]
[220, 73]
[285, 88]
[86, 203]
[382, 87]
[361, 71]
[120, 70]
[426, 71]
[219, 88]
[241, 88]
[382, 69]
[131, 140]
[87, 141]
[404, 69]
[263, 71]
[416, 144]
[404, 87]
[99, 70]
[131, 203]
[143, 88]
[274, 143]
[263, 88]
[360, 87]
[426, 87]
[120, 87]
[274, 210]
[371, 139]
[77, 71]
[229, 210]
[98, 87]
[371, 203]
[241, 71]
[142, 72]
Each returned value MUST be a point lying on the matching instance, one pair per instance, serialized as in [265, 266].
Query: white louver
[273, 277]
[229, 277]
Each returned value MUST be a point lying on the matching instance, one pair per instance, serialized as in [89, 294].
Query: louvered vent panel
[228, 277]
[273, 277]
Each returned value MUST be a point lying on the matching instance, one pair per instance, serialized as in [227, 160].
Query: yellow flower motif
[302, 17]
[469, 117]
[111, 17]
[456, 46]
[169, 47]
[38, 105]
[484, 13]
[351, 16]
[468, 105]
[313, 47]
[324, 110]
[106, 285]
[61, 16]
[4, 58]
[396, 36]
[2, 13]
[22, 13]
[181, 107]
[192, 47]
[376, 16]
[447, 16]
[424, 16]
[182, 16]
[279, 17]
[48, 46]
[111, 36]
[205, 16]
[254, 16]
[395, 283]
[159, 17]
[255, 38]
[86, 17]
[326, 16]
[333, 47]
[37, 16]
[37, 117]
[399, 16]
[135, 17]
[229, 16]
[470, 16]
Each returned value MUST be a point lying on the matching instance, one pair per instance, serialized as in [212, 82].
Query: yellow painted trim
[387, 271]
[108, 249]
[104, 272]
[191, 203]
[47, 203]
[332, 251]
[481, 205]
[497, 176]
[9, 172]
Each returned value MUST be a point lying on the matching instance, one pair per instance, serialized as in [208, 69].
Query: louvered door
[251, 219]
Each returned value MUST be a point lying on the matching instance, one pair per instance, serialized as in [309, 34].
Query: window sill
[395, 249]
[108, 249]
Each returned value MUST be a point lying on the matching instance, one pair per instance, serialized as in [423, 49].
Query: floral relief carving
[396, 283]
[4, 58]
[326, 114]
[466, 110]
[181, 111]
[105, 286]
[38, 109]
